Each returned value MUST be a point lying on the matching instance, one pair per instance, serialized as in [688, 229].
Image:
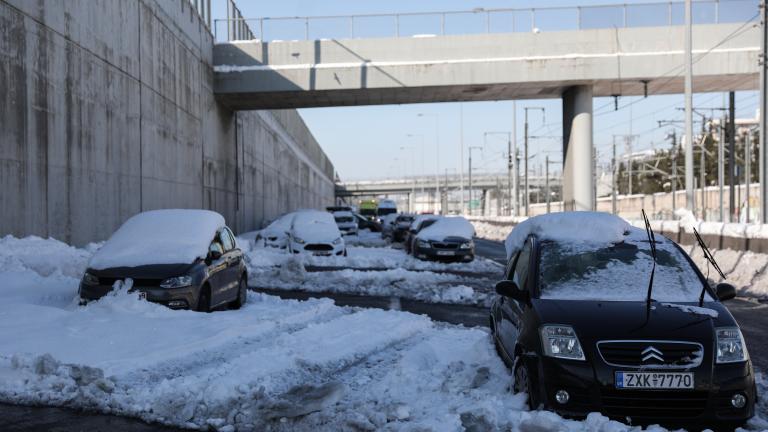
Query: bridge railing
[479, 20]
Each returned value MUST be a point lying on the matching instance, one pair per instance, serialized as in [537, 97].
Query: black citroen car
[631, 329]
[184, 259]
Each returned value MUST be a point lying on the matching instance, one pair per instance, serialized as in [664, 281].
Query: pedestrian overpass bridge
[575, 65]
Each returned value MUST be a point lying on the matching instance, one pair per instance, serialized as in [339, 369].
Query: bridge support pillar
[578, 167]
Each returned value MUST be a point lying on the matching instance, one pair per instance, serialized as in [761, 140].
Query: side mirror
[508, 288]
[215, 251]
[725, 291]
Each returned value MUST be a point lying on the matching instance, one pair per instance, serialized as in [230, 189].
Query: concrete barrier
[108, 110]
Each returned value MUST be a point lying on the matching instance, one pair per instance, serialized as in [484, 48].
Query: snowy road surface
[275, 364]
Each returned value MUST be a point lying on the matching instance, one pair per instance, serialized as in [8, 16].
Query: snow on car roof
[454, 226]
[159, 237]
[568, 226]
[313, 216]
[417, 221]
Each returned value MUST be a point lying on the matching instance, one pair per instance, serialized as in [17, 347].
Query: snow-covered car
[184, 259]
[447, 239]
[595, 315]
[316, 233]
[401, 227]
[346, 222]
[276, 234]
[388, 226]
[419, 222]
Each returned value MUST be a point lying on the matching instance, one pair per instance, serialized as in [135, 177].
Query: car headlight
[730, 345]
[298, 240]
[90, 279]
[467, 245]
[423, 244]
[177, 282]
[337, 241]
[560, 341]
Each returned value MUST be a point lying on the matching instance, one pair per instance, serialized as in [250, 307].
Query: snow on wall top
[455, 226]
[568, 226]
[159, 237]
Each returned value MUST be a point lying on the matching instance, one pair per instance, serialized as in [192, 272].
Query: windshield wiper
[707, 256]
[652, 242]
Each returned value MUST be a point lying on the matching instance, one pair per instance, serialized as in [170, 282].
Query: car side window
[226, 240]
[520, 275]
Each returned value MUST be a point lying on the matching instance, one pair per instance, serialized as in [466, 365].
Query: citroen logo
[652, 353]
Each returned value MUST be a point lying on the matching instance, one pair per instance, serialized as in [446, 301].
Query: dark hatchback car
[184, 259]
[574, 323]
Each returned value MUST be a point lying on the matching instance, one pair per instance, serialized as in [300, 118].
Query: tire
[242, 295]
[523, 382]
[204, 299]
[345, 252]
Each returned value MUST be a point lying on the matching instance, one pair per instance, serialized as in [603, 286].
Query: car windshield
[386, 211]
[616, 272]
[343, 219]
[405, 219]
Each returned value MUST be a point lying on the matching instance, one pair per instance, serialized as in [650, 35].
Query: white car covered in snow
[346, 222]
[276, 234]
[316, 233]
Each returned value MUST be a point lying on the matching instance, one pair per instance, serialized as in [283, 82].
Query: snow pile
[594, 227]
[492, 230]
[159, 237]
[424, 286]
[455, 226]
[366, 237]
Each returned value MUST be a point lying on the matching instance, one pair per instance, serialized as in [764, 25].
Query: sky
[374, 142]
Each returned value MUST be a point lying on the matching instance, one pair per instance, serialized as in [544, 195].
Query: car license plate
[654, 380]
[445, 253]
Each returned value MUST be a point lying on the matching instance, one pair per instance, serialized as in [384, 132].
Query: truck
[368, 209]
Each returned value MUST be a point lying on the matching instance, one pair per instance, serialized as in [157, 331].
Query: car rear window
[616, 272]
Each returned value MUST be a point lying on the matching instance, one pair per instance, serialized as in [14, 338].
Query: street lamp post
[525, 152]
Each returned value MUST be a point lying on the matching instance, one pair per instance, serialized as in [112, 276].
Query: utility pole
[461, 156]
[748, 168]
[721, 165]
[702, 169]
[731, 156]
[437, 156]
[628, 144]
[763, 166]
[509, 159]
[674, 171]
[513, 161]
[613, 178]
[470, 175]
[689, 192]
[525, 153]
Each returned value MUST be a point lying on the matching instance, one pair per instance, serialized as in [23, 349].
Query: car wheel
[204, 299]
[523, 382]
[242, 295]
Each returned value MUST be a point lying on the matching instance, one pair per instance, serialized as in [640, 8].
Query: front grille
[655, 354]
[318, 247]
[439, 245]
[653, 404]
[136, 282]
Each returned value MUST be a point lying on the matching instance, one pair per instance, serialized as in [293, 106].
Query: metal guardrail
[203, 8]
[481, 20]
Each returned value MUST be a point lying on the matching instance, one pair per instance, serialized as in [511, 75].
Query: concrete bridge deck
[617, 61]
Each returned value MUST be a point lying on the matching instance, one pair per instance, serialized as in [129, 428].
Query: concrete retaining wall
[108, 110]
